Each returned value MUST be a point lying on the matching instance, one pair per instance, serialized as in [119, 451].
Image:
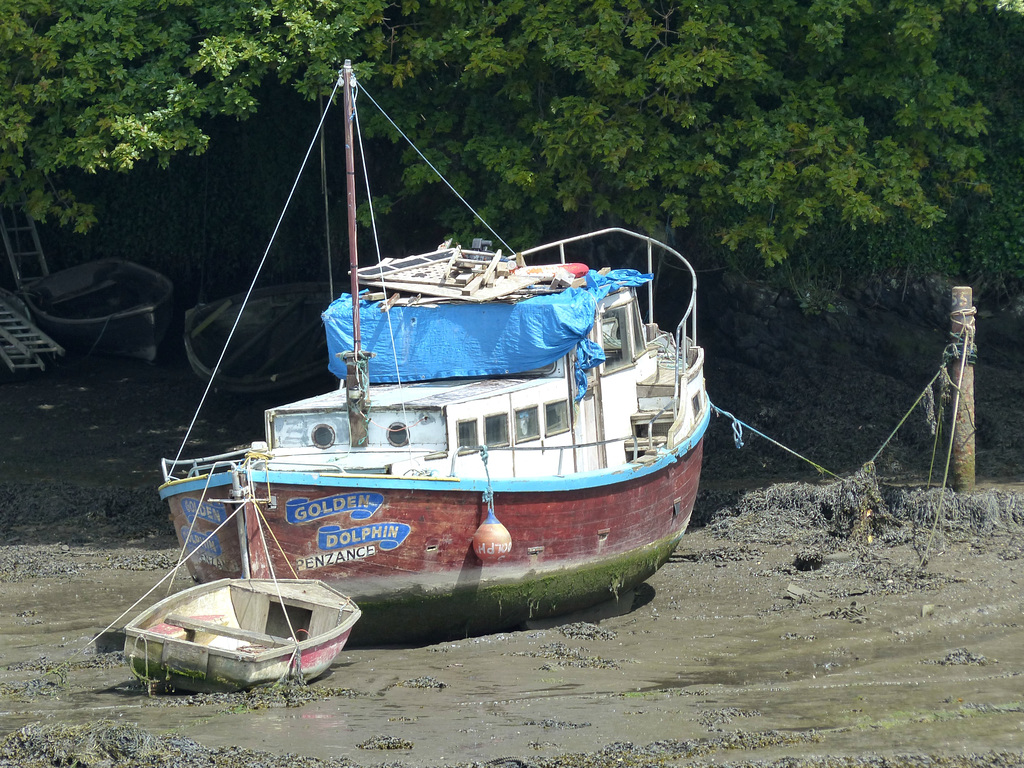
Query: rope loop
[962, 340]
[737, 425]
[489, 493]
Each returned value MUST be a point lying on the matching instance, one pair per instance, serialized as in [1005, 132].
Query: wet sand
[730, 649]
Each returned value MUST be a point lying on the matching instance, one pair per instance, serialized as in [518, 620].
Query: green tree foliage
[757, 121]
[760, 116]
[100, 85]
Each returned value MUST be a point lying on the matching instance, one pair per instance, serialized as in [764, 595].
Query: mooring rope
[969, 354]
[924, 394]
[737, 432]
[295, 661]
[962, 348]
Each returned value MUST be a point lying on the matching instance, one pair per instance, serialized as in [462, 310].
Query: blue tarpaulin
[466, 340]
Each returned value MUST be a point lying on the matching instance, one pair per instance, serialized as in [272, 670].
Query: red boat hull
[405, 554]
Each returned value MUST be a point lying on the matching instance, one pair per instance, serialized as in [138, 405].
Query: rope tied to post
[962, 340]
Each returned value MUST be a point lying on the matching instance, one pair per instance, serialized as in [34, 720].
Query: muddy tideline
[803, 621]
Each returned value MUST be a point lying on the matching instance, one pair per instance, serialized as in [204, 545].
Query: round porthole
[323, 436]
[398, 434]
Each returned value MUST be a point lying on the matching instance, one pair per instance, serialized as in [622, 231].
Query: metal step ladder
[21, 241]
[22, 345]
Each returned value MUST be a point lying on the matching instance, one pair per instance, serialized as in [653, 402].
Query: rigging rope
[259, 269]
[376, 244]
[439, 175]
[962, 348]
[327, 209]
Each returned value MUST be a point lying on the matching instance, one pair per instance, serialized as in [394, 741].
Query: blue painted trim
[219, 479]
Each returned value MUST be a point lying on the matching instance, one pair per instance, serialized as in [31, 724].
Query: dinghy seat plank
[84, 291]
[197, 625]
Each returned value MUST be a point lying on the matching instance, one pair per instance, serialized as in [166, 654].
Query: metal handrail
[682, 339]
[560, 448]
[229, 461]
[691, 307]
[201, 466]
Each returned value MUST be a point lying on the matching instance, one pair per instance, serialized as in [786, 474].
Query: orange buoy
[492, 541]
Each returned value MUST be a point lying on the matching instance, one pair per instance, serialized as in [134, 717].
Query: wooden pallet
[450, 273]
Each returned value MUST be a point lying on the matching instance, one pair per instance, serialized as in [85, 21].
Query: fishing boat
[505, 445]
[278, 342]
[237, 634]
[109, 306]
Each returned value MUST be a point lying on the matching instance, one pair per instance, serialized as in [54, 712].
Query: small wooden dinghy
[236, 634]
[278, 341]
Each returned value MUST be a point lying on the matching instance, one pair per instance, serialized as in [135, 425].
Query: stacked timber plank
[456, 274]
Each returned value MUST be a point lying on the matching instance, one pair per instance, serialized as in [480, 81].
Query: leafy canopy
[756, 119]
[102, 84]
[759, 117]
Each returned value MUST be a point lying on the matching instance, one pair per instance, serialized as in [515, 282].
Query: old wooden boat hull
[513, 437]
[402, 547]
[109, 306]
[278, 342]
[235, 634]
[521, 453]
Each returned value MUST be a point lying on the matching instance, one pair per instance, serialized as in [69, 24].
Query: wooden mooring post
[962, 374]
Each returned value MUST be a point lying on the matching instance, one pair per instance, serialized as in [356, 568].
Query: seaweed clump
[105, 744]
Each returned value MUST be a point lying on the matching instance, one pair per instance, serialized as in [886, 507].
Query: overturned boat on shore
[278, 341]
[109, 306]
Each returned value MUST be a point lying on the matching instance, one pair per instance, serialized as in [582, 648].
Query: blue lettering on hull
[213, 511]
[206, 543]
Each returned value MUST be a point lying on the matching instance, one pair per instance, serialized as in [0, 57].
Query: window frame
[622, 316]
[503, 415]
[536, 419]
[568, 425]
[476, 432]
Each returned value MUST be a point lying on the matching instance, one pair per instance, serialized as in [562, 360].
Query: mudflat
[802, 621]
[784, 627]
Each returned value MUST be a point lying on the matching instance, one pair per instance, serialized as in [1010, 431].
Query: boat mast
[350, 184]
[357, 379]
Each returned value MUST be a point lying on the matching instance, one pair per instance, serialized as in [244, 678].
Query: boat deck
[418, 394]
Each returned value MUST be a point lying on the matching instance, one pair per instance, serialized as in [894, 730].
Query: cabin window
[496, 429]
[398, 434]
[323, 436]
[556, 418]
[616, 338]
[468, 435]
[527, 424]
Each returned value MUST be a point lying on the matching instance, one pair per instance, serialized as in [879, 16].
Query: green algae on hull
[503, 606]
